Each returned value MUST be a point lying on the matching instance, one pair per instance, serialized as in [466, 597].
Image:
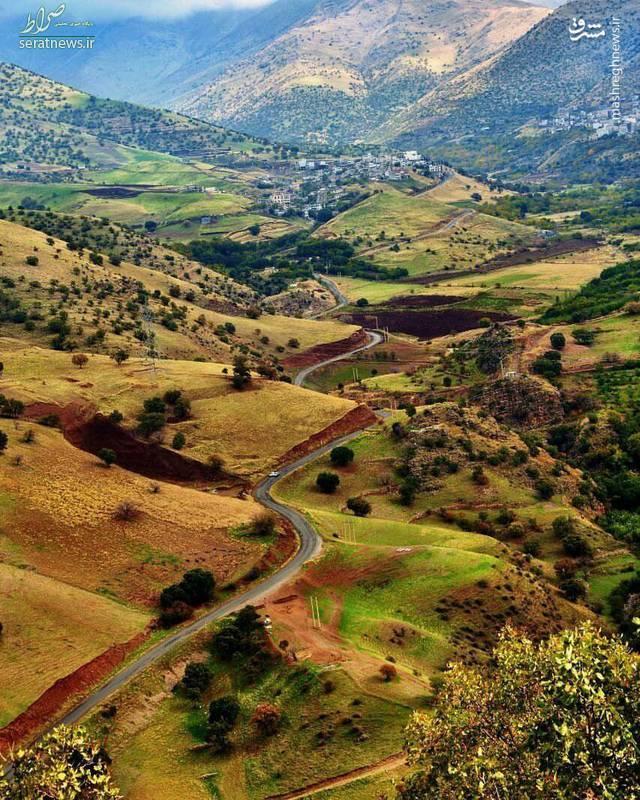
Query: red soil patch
[431, 325]
[322, 352]
[56, 697]
[422, 301]
[281, 550]
[354, 420]
[88, 430]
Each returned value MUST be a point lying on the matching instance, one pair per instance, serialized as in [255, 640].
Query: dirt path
[387, 764]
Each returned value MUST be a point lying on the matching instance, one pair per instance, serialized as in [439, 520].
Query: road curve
[310, 545]
[374, 338]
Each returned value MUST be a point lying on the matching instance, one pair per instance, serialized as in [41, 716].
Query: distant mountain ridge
[328, 70]
[351, 65]
[539, 75]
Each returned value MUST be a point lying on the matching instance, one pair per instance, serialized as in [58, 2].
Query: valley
[319, 409]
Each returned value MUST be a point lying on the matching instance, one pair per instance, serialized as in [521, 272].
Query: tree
[199, 585]
[359, 506]
[195, 681]
[107, 456]
[327, 482]
[241, 372]
[224, 709]
[79, 360]
[584, 336]
[4, 441]
[341, 456]
[266, 718]
[552, 721]
[223, 713]
[62, 764]
[120, 356]
[558, 341]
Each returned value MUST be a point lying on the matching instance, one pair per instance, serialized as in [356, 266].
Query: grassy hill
[101, 306]
[55, 126]
[423, 234]
[250, 429]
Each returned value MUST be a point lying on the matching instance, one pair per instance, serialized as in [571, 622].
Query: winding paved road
[310, 545]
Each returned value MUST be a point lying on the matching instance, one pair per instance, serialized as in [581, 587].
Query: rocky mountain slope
[352, 65]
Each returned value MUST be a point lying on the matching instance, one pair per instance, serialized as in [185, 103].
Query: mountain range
[340, 71]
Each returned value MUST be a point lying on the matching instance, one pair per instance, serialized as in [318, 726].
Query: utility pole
[151, 353]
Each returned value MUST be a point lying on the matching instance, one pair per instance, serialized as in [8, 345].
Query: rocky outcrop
[521, 401]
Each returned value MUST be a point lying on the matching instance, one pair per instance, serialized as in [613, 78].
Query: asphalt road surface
[310, 546]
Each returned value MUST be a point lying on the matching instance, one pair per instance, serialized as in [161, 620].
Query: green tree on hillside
[341, 456]
[553, 721]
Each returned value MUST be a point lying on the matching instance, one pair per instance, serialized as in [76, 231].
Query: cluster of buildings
[308, 185]
[602, 121]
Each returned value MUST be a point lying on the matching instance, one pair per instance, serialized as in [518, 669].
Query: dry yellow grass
[51, 629]
[57, 515]
[58, 263]
[567, 272]
[460, 187]
[249, 429]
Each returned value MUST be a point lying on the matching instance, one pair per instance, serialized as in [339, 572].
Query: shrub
[562, 526]
[565, 568]
[264, 524]
[179, 441]
[388, 672]
[341, 456]
[558, 341]
[293, 343]
[584, 336]
[327, 482]
[266, 718]
[407, 493]
[531, 547]
[32, 261]
[195, 588]
[359, 506]
[4, 441]
[120, 356]
[127, 512]
[107, 456]
[224, 709]
[545, 489]
[479, 476]
[577, 546]
[216, 464]
[175, 614]
[149, 423]
[573, 589]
